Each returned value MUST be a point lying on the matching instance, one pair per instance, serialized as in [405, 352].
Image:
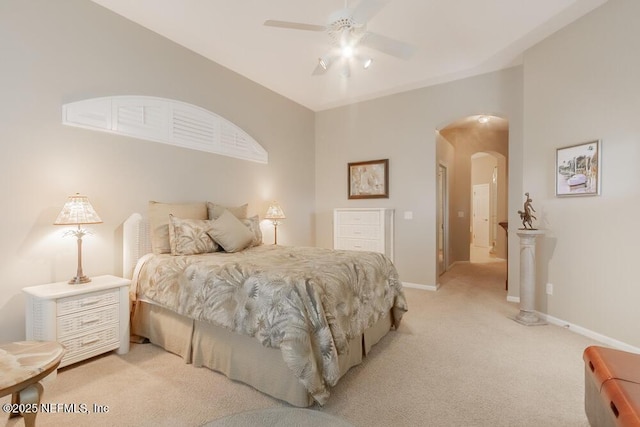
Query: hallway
[486, 275]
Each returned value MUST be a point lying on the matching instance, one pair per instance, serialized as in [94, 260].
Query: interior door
[481, 213]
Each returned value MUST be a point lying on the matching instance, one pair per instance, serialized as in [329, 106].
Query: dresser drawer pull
[89, 321]
[357, 246]
[91, 341]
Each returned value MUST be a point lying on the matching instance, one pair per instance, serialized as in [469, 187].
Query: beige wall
[402, 128]
[577, 85]
[582, 84]
[63, 51]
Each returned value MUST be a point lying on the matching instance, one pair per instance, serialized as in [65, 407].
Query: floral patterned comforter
[309, 302]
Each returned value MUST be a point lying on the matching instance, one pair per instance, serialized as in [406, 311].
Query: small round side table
[22, 365]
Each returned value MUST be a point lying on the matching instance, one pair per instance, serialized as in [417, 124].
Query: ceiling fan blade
[367, 9]
[294, 25]
[388, 45]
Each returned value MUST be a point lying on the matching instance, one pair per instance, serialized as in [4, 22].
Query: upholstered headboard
[136, 242]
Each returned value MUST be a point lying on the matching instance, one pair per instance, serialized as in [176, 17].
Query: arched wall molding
[164, 120]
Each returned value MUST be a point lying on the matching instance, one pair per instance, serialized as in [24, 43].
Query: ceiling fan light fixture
[347, 30]
[366, 63]
[346, 70]
[325, 61]
[347, 51]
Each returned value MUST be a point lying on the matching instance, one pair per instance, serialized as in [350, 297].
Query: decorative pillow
[158, 214]
[253, 224]
[230, 233]
[189, 236]
[214, 210]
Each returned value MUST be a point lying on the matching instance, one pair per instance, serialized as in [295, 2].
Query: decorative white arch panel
[164, 120]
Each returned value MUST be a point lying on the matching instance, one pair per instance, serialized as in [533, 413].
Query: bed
[288, 321]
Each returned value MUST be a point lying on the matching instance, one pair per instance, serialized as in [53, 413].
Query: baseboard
[513, 299]
[589, 333]
[423, 287]
[454, 263]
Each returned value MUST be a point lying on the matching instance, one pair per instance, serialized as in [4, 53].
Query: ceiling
[453, 39]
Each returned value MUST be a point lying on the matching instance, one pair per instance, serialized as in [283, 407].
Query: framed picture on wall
[578, 169]
[369, 180]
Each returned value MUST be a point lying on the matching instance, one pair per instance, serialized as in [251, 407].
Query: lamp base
[79, 280]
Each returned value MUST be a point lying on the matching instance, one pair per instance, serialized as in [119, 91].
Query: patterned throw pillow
[253, 224]
[158, 214]
[190, 236]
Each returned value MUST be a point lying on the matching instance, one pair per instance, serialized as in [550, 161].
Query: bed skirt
[239, 357]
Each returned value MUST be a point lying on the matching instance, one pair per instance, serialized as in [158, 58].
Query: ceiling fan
[347, 29]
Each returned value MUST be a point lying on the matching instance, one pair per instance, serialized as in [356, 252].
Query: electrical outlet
[549, 288]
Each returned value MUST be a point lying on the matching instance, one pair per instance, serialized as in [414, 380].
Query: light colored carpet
[457, 360]
[279, 417]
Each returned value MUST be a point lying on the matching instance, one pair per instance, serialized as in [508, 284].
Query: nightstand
[88, 319]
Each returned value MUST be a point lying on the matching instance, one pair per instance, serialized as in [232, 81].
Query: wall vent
[164, 120]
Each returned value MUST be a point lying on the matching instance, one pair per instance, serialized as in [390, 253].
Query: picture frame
[368, 180]
[578, 171]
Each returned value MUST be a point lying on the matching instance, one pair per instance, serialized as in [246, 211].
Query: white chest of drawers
[364, 229]
[88, 319]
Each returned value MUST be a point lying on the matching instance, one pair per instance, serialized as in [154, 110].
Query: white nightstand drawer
[87, 342]
[84, 302]
[88, 319]
[72, 324]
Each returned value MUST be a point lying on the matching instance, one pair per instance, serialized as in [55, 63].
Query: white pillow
[230, 233]
[214, 210]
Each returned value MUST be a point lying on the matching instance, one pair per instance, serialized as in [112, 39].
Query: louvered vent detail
[166, 121]
[189, 128]
[234, 141]
[141, 120]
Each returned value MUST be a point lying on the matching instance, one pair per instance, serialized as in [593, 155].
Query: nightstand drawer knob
[90, 301]
[90, 341]
[89, 321]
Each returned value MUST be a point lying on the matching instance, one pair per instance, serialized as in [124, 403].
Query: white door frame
[442, 223]
[481, 226]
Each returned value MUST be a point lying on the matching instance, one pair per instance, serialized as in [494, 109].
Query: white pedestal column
[527, 315]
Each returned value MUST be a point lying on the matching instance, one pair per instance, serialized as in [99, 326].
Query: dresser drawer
[359, 232]
[84, 302]
[75, 323]
[356, 217]
[364, 229]
[359, 245]
[90, 341]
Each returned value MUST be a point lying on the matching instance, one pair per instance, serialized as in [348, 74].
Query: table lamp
[77, 211]
[275, 213]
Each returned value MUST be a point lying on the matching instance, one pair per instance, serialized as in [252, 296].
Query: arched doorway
[457, 143]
